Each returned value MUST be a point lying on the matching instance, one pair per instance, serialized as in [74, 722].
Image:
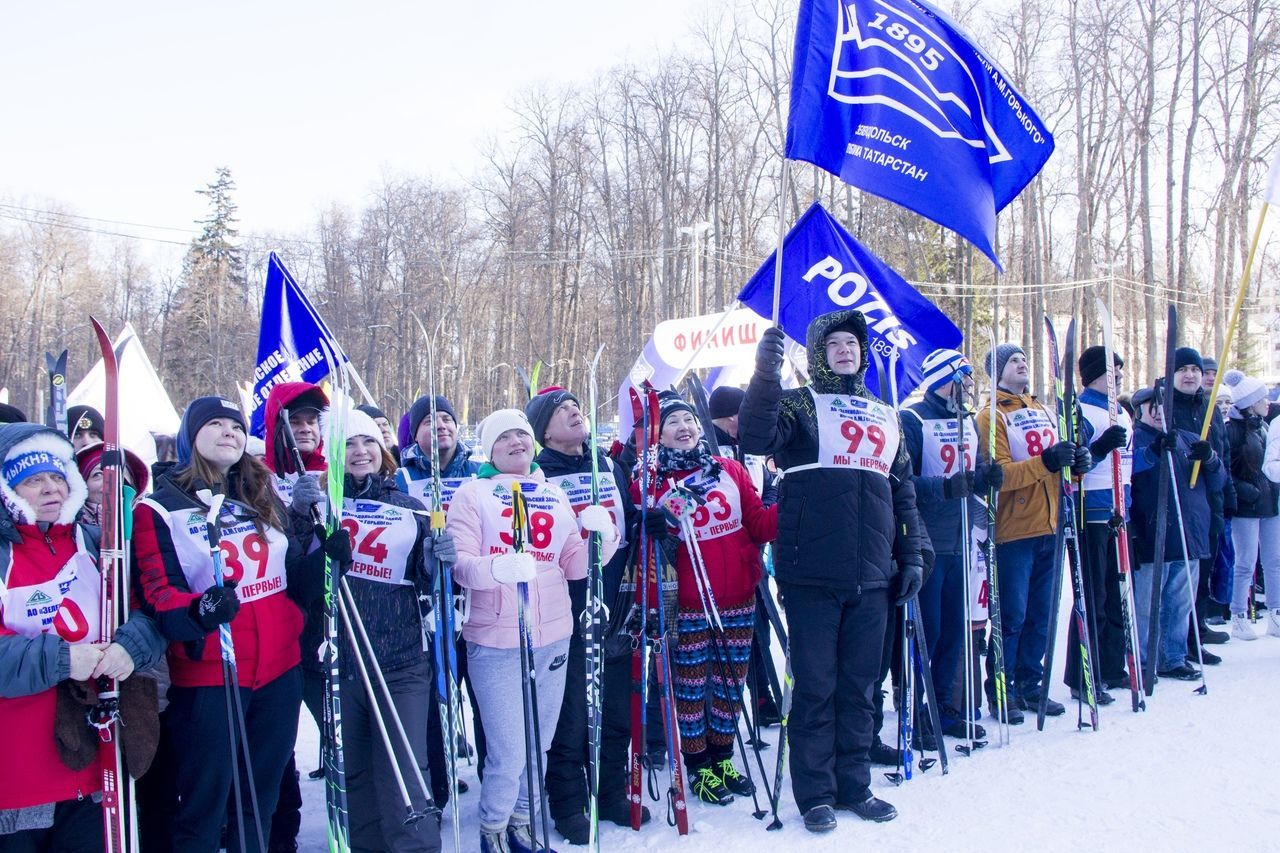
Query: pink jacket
[480, 523]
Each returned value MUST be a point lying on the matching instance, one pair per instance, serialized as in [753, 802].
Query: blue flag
[893, 98]
[288, 340]
[825, 269]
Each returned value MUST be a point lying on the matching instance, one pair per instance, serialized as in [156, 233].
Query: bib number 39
[253, 547]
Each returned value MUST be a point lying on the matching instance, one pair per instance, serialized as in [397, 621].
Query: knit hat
[255, 447]
[11, 414]
[1093, 363]
[542, 406]
[90, 458]
[725, 401]
[358, 423]
[41, 450]
[941, 367]
[421, 409]
[499, 422]
[373, 411]
[1184, 356]
[669, 402]
[1003, 352]
[1245, 390]
[199, 412]
[1209, 364]
[84, 418]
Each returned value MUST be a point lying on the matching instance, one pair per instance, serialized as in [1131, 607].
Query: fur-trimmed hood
[824, 379]
[21, 438]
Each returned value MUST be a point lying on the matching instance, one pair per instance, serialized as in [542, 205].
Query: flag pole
[1226, 342]
[782, 233]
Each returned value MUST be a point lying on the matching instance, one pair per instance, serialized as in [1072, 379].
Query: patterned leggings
[707, 708]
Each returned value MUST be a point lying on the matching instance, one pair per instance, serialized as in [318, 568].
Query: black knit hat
[11, 414]
[372, 411]
[1093, 363]
[421, 409]
[1184, 356]
[542, 406]
[84, 418]
[725, 401]
[669, 402]
[199, 412]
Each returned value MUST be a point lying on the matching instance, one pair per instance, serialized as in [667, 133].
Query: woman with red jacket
[730, 525]
[49, 608]
[268, 577]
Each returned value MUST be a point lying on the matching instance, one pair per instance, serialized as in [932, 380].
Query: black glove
[958, 485]
[769, 352]
[1112, 438]
[217, 606]
[910, 579]
[1201, 451]
[988, 476]
[1059, 456]
[1166, 443]
[337, 547]
[1083, 461]
[655, 525]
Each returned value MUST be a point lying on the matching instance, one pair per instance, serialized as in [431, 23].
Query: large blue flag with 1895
[892, 97]
[288, 340]
[825, 269]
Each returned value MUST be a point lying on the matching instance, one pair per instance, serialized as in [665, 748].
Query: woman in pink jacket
[555, 552]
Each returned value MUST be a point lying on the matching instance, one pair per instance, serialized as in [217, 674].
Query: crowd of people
[856, 507]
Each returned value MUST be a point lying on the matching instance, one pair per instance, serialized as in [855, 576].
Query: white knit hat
[498, 423]
[1245, 390]
[358, 423]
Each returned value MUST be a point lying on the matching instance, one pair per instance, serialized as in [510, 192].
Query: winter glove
[306, 494]
[218, 606]
[1201, 451]
[1112, 438]
[440, 547]
[769, 353]
[513, 568]
[655, 525]
[1083, 461]
[1167, 443]
[988, 476]
[337, 547]
[1059, 456]
[910, 579]
[958, 485]
[596, 519]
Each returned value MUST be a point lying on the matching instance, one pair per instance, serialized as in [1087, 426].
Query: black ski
[56, 415]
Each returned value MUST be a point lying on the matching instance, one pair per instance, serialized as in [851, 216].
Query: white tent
[145, 407]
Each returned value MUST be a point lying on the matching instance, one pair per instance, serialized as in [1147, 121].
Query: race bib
[718, 514]
[382, 540]
[256, 563]
[421, 489]
[66, 605]
[979, 583]
[550, 521]
[854, 432]
[578, 489]
[1030, 431]
[940, 452]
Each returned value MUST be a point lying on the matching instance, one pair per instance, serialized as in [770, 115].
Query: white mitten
[597, 519]
[513, 568]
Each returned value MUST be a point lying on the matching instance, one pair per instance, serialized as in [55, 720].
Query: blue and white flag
[288, 340]
[825, 269]
[892, 97]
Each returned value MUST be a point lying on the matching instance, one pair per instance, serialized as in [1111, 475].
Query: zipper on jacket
[49, 541]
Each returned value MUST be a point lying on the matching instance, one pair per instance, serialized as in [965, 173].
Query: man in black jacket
[847, 514]
[560, 425]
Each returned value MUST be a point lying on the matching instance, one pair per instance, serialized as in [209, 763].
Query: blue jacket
[1197, 505]
[416, 465]
[941, 516]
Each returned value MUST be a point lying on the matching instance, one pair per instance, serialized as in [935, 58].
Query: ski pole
[1203, 689]
[231, 680]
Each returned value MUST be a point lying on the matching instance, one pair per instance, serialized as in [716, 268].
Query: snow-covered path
[1192, 773]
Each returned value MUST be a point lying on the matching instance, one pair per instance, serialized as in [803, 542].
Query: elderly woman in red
[49, 605]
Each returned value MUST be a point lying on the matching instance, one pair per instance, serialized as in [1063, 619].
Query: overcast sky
[122, 110]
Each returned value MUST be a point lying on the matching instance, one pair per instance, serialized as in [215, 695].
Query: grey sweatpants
[1254, 538]
[495, 680]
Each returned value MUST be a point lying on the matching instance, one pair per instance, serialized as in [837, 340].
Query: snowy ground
[1191, 773]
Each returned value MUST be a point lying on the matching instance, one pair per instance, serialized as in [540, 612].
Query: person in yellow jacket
[1032, 455]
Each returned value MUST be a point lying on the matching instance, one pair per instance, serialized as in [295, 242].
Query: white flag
[1273, 181]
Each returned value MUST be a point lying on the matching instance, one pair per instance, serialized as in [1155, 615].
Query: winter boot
[820, 819]
[617, 810]
[1210, 637]
[576, 828]
[1240, 627]
[708, 787]
[731, 778]
[520, 840]
[494, 842]
[958, 730]
[871, 809]
[884, 755]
